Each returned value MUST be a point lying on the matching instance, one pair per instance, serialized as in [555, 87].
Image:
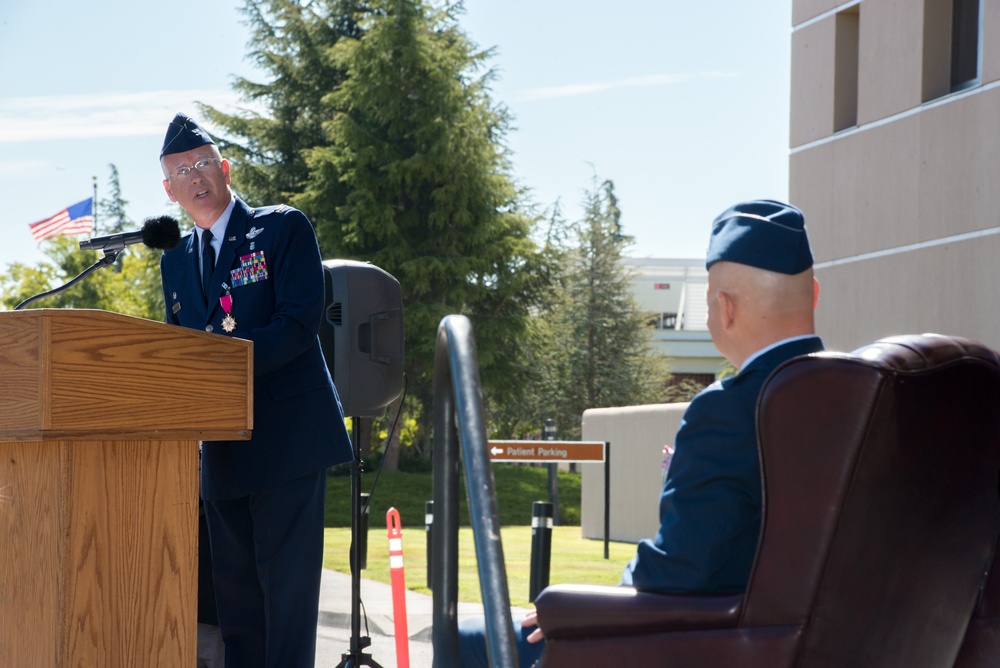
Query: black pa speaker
[362, 335]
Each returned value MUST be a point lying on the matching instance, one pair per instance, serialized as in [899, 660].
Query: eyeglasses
[184, 172]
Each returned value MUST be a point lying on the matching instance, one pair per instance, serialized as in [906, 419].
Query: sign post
[549, 434]
[559, 452]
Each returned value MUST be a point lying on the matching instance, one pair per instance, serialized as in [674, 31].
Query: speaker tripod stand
[356, 656]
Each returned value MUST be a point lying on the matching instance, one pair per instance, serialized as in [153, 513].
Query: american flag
[75, 219]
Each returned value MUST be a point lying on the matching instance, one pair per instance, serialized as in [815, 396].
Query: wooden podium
[100, 418]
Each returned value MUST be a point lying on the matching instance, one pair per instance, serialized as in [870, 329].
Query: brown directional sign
[546, 451]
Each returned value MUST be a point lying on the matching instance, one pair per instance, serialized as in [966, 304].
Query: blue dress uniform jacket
[710, 506]
[271, 266]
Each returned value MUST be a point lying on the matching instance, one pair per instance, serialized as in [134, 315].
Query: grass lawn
[574, 559]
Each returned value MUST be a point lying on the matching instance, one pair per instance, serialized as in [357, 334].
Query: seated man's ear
[727, 308]
[815, 292]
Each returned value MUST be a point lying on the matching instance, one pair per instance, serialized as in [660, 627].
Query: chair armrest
[568, 611]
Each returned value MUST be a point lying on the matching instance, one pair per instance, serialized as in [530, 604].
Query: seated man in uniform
[761, 298]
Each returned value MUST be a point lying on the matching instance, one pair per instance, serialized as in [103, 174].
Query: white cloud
[573, 90]
[101, 114]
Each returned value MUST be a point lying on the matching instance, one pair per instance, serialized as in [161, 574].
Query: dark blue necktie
[207, 261]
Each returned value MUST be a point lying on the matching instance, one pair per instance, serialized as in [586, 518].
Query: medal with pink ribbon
[226, 301]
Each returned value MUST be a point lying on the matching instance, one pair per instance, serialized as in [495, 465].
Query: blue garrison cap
[183, 134]
[761, 233]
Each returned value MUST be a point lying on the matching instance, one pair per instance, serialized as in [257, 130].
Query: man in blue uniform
[761, 297]
[256, 273]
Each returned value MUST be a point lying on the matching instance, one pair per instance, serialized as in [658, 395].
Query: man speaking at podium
[256, 273]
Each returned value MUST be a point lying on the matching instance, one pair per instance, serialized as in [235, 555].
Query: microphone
[161, 233]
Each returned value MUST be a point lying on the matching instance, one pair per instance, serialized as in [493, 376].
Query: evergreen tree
[113, 218]
[542, 341]
[290, 41]
[416, 179]
[599, 352]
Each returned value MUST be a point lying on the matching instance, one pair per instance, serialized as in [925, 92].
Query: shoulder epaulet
[265, 210]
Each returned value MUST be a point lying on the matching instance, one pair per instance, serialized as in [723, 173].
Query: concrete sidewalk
[334, 632]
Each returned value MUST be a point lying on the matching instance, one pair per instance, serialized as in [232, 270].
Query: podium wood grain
[100, 417]
[94, 374]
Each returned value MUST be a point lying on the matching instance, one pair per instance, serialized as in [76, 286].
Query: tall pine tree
[290, 41]
[112, 217]
[599, 352]
[416, 179]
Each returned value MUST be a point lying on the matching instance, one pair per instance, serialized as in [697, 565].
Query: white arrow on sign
[496, 451]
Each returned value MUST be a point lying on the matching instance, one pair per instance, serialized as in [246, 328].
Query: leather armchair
[881, 515]
[981, 647]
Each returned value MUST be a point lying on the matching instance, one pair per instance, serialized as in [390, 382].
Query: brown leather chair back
[881, 502]
[881, 513]
[981, 647]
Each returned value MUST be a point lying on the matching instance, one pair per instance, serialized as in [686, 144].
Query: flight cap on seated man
[183, 134]
[761, 233]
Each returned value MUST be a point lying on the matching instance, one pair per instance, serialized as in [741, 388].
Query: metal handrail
[458, 398]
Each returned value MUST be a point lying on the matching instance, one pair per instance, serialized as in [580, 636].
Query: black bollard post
[429, 528]
[541, 547]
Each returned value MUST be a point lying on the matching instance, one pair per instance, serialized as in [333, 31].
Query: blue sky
[684, 105]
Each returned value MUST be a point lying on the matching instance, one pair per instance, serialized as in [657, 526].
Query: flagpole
[94, 208]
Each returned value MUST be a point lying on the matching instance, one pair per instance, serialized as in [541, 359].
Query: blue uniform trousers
[267, 561]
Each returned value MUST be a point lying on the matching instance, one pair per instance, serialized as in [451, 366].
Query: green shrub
[516, 488]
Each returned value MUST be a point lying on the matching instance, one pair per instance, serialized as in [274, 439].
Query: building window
[664, 321]
[952, 39]
[845, 70]
[964, 44]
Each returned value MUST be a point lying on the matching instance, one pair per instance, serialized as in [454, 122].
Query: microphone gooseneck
[161, 233]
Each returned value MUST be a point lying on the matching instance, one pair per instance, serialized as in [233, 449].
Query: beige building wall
[806, 10]
[637, 435]
[902, 205]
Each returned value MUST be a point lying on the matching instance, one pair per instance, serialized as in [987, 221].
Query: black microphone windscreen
[161, 233]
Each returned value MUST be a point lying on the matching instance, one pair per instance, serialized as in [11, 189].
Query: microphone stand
[107, 260]
[356, 657]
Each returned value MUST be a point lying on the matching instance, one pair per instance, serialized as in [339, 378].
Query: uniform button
[208, 328]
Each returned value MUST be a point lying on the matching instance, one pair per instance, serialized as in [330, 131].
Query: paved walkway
[334, 632]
